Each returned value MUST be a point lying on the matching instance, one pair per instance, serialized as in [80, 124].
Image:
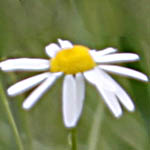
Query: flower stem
[11, 119]
[72, 139]
[96, 128]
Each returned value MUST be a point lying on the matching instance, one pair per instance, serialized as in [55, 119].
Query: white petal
[69, 101]
[115, 58]
[80, 93]
[120, 93]
[97, 54]
[27, 84]
[111, 101]
[28, 64]
[124, 71]
[65, 44]
[52, 49]
[39, 91]
[125, 99]
[108, 96]
[96, 76]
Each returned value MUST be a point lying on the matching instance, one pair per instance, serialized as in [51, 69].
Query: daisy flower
[76, 63]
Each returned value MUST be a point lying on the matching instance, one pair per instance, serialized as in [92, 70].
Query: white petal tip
[52, 49]
[136, 57]
[143, 77]
[131, 109]
[60, 40]
[146, 79]
[70, 125]
[1, 66]
[118, 115]
[9, 92]
[112, 49]
[65, 44]
[26, 106]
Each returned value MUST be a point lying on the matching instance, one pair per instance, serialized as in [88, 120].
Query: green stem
[11, 119]
[72, 139]
[97, 123]
[24, 117]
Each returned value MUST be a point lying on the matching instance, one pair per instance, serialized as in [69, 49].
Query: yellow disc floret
[72, 61]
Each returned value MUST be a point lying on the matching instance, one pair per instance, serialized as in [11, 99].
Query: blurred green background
[27, 26]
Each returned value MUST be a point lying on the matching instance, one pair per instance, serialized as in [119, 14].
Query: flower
[75, 62]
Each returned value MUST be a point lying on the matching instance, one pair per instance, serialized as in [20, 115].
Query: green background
[27, 26]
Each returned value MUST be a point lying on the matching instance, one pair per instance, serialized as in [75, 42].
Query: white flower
[76, 62]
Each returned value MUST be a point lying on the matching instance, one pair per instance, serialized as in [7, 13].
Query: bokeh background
[27, 26]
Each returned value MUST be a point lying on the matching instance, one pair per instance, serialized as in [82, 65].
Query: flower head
[76, 63]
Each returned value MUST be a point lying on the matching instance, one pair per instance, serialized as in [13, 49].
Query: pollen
[72, 61]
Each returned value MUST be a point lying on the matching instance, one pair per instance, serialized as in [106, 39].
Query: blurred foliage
[27, 26]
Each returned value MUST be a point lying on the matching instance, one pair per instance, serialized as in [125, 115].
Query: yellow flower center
[72, 61]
